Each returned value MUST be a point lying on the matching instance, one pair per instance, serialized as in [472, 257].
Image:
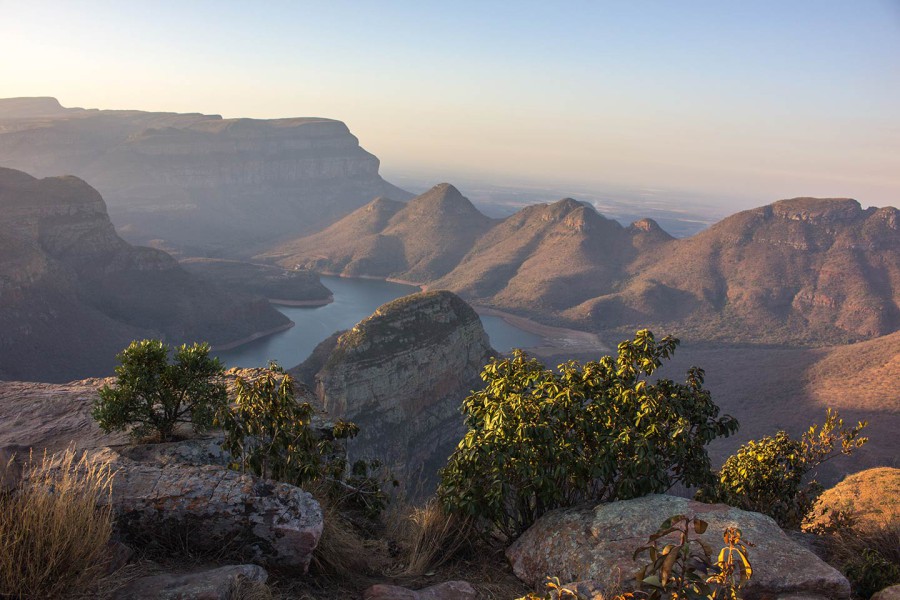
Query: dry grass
[868, 555]
[244, 589]
[53, 535]
[434, 537]
[342, 552]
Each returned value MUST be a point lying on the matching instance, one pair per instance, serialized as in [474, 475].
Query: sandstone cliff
[401, 375]
[73, 293]
[198, 182]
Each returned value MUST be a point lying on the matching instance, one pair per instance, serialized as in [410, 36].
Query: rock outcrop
[222, 583]
[73, 293]
[580, 544]
[198, 181]
[262, 521]
[401, 375]
[450, 590]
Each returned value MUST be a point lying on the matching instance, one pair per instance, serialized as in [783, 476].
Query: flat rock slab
[213, 584]
[257, 520]
[587, 543]
[450, 590]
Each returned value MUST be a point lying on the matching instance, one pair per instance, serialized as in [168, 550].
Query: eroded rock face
[263, 521]
[590, 543]
[401, 375]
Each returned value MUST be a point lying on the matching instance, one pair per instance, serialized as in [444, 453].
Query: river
[354, 300]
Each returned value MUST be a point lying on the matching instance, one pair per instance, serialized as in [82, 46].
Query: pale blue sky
[747, 101]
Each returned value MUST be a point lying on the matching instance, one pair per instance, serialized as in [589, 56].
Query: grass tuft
[53, 536]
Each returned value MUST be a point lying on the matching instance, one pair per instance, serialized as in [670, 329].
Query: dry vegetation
[53, 536]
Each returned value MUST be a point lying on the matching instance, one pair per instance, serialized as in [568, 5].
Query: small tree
[541, 439]
[770, 475]
[269, 433]
[151, 396]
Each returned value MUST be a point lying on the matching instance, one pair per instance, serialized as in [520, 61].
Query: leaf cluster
[770, 475]
[152, 395]
[540, 439]
[683, 568]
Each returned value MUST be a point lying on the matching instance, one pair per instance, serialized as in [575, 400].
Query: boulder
[261, 521]
[592, 543]
[450, 590]
[211, 584]
[889, 593]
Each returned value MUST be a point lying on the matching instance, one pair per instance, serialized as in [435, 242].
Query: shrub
[867, 553]
[269, 433]
[53, 535]
[541, 439]
[768, 475]
[151, 396]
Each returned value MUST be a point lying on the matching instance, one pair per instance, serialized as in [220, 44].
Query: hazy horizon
[739, 105]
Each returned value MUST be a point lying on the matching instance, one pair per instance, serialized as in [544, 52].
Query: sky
[745, 102]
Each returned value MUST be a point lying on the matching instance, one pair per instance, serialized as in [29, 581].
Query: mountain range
[197, 184]
[73, 293]
[804, 270]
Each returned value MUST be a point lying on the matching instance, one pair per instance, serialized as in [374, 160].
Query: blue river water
[354, 300]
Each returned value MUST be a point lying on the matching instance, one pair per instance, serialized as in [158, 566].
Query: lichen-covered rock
[450, 590]
[401, 375]
[263, 521]
[591, 543]
[210, 584]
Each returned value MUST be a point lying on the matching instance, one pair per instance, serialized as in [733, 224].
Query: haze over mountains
[73, 293]
[197, 183]
[804, 270]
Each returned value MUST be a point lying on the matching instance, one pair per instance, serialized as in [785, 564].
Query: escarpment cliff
[73, 293]
[198, 182]
[401, 375]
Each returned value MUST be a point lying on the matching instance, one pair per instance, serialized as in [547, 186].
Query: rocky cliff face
[73, 293]
[198, 182]
[401, 375]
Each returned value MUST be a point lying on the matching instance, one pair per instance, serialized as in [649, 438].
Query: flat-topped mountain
[804, 270]
[419, 241]
[198, 182]
[73, 293]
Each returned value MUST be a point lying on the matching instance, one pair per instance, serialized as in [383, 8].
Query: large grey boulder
[586, 543]
[259, 520]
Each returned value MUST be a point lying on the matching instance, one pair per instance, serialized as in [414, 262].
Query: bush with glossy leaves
[541, 439]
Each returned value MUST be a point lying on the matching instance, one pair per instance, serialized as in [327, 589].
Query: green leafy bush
[770, 475]
[541, 439]
[151, 396]
[269, 433]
